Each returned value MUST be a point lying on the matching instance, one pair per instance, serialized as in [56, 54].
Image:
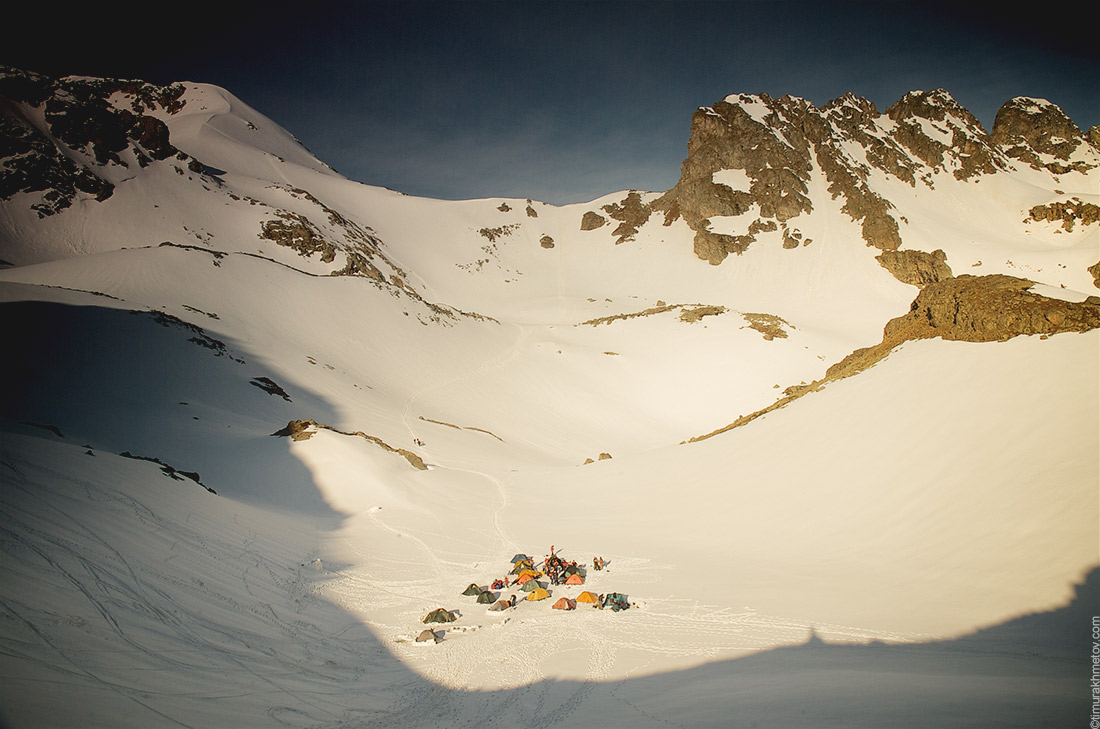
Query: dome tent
[439, 615]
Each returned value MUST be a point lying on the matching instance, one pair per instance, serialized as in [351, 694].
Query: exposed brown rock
[592, 220]
[493, 233]
[989, 309]
[1067, 212]
[294, 231]
[546, 241]
[300, 430]
[631, 213]
[770, 325]
[916, 267]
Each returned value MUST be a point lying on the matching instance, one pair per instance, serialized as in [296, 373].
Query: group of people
[557, 569]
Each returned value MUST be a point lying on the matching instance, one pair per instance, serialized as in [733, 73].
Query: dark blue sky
[560, 101]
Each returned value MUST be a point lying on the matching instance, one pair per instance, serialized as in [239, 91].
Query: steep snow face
[214, 125]
[390, 396]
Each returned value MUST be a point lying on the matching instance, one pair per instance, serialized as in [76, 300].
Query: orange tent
[531, 573]
[565, 604]
[575, 580]
[524, 578]
[588, 597]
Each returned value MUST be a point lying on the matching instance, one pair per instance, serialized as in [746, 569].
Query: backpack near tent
[538, 594]
[486, 598]
[439, 615]
[565, 604]
[588, 597]
[426, 635]
[473, 590]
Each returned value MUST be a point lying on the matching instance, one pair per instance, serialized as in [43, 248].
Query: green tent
[473, 590]
[521, 566]
[520, 557]
[439, 615]
[531, 585]
[486, 597]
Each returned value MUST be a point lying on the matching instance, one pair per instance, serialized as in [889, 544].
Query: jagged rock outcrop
[1039, 134]
[989, 309]
[58, 135]
[751, 158]
[1067, 212]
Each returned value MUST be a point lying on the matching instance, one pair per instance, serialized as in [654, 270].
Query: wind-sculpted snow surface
[891, 523]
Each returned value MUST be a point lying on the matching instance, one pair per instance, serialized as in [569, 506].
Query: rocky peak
[940, 132]
[753, 156]
[1039, 134]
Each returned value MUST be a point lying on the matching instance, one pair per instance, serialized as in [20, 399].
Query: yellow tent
[531, 573]
[588, 597]
[539, 594]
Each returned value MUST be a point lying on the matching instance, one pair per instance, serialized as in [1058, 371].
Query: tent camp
[565, 604]
[426, 635]
[439, 615]
[473, 590]
[574, 580]
[589, 597]
[538, 594]
[486, 598]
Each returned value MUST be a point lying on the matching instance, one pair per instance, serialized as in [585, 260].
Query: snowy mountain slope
[449, 366]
